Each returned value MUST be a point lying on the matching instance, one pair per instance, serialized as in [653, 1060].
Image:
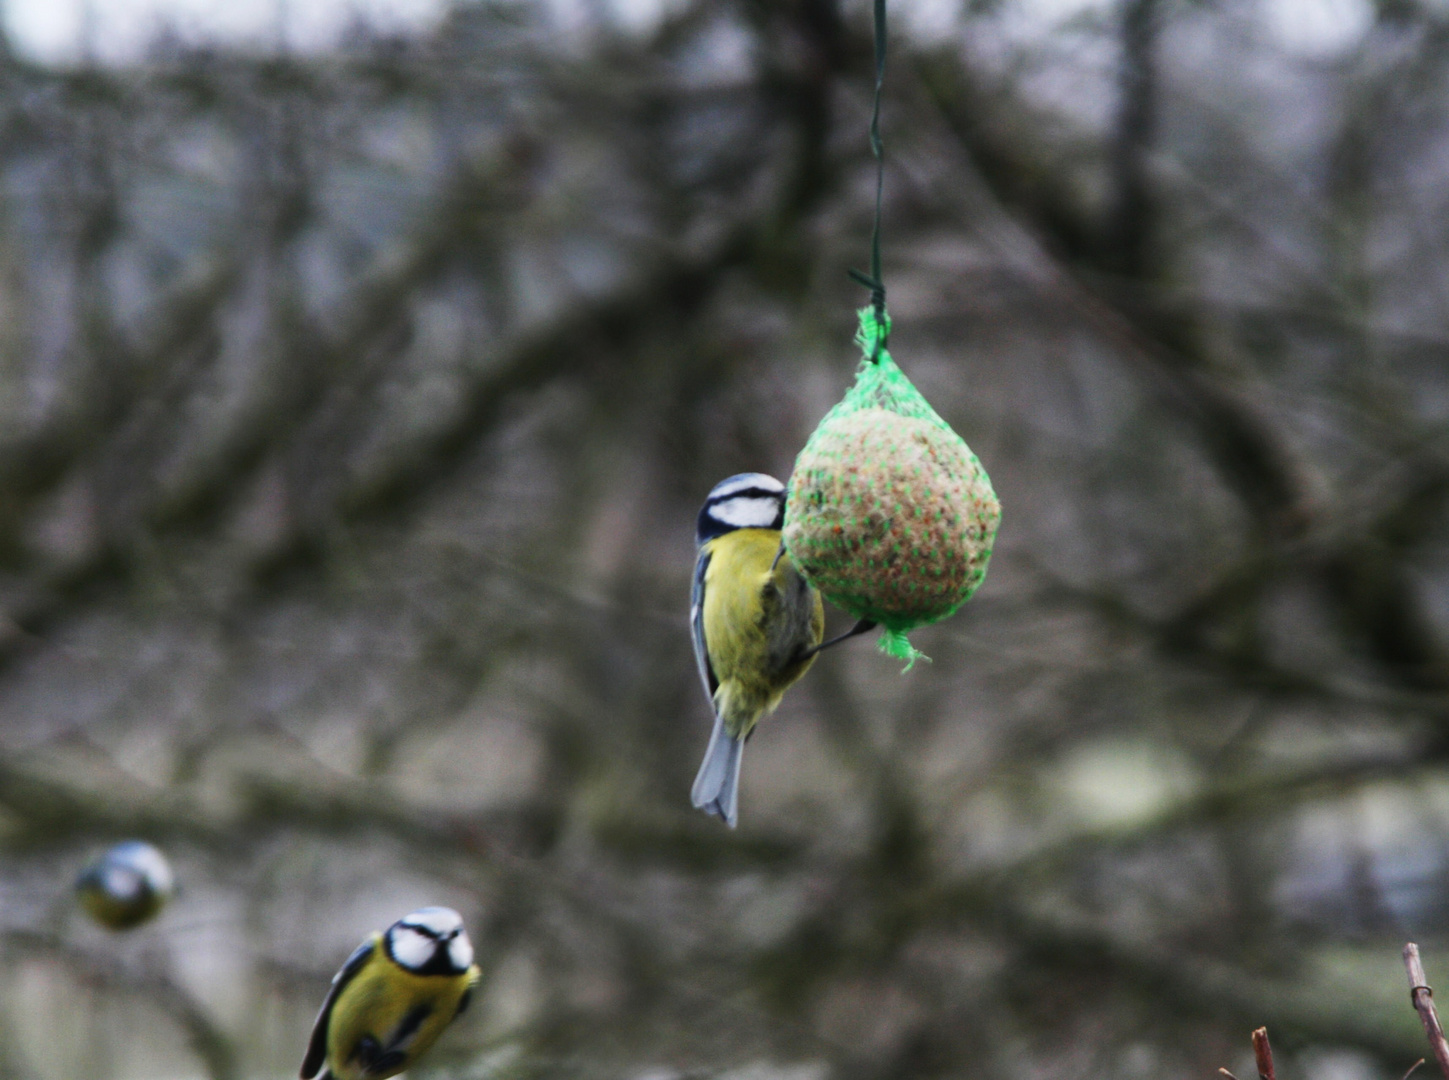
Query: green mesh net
[890, 515]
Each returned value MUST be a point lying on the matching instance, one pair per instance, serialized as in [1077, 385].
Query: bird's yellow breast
[382, 1000]
[119, 913]
[757, 623]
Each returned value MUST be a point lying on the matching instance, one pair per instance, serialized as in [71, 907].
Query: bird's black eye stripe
[747, 493]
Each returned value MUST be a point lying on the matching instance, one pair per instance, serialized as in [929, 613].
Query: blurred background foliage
[354, 412]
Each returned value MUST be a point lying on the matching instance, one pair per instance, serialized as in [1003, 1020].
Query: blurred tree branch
[211, 1046]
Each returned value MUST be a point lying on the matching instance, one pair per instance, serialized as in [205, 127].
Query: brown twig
[1423, 998]
[1263, 1054]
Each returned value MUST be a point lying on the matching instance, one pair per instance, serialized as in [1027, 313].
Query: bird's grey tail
[717, 787]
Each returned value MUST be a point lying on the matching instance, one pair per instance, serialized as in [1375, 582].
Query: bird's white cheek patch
[121, 882]
[410, 948]
[460, 952]
[746, 513]
[154, 868]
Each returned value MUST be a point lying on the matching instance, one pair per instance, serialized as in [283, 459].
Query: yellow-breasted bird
[127, 885]
[756, 623]
[393, 998]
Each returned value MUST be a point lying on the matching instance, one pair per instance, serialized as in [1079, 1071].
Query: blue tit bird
[393, 998]
[756, 623]
[128, 884]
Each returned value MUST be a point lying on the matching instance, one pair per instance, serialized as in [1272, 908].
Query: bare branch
[1263, 1054]
[1423, 998]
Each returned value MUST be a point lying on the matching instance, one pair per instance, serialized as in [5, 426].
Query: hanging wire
[874, 281]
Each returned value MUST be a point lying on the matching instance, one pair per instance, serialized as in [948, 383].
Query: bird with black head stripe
[393, 998]
[756, 624]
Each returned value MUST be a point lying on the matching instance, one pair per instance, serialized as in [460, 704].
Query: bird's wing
[696, 627]
[317, 1048]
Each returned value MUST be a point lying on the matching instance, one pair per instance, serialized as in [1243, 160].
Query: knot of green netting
[890, 515]
[873, 332]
